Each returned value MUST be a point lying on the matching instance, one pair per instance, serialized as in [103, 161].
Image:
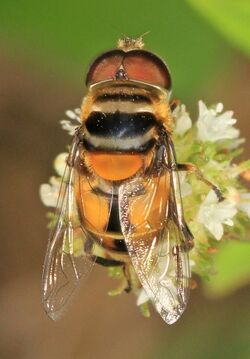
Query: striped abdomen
[120, 122]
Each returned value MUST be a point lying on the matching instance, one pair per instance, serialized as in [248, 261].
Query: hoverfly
[120, 190]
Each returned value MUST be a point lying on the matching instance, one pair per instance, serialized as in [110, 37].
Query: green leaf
[232, 262]
[230, 17]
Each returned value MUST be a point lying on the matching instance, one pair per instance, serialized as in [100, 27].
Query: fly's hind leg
[127, 275]
[133, 282]
[106, 262]
[130, 280]
[189, 167]
[124, 285]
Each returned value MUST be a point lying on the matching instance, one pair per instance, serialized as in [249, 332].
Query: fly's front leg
[174, 103]
[189, 167]
[74, 147]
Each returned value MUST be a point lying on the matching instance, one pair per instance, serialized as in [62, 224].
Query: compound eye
[144, 66]
[105, 67]
[137, 65]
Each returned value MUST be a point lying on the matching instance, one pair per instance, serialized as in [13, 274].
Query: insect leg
[127, 275]
[189, 167]
[107, 262]
[74, 148]
[174, 103]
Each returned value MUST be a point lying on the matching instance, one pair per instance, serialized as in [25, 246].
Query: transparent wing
[68, 257]
[156, 235]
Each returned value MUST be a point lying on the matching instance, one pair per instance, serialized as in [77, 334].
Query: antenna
[127, 43]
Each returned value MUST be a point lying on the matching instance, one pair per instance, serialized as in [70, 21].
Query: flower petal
[186, 188]
[183, 120]
[216, 229]
[142, 297]
[60, 163]
[213, 214]
[48, 195]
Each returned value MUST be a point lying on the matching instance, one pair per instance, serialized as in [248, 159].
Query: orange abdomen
[100, 210]
[114, 166]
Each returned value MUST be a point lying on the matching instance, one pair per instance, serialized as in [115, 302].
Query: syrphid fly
[120, 190]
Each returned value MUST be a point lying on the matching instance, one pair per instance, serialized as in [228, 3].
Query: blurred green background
[46, 48]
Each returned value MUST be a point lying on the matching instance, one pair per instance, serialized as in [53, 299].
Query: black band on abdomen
[119, 124]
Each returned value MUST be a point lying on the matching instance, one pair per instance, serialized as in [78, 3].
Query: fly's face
[120, 191]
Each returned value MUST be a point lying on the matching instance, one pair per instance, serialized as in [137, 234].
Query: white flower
[240, 199]
[183, 120]
[60, 162]
[71, 125]
[213, 125]
[213, 214]
[49, 192]
[73, 114]
[186, 188]
[142, 297]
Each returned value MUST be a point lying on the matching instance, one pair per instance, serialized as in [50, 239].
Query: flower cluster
[211, 143]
